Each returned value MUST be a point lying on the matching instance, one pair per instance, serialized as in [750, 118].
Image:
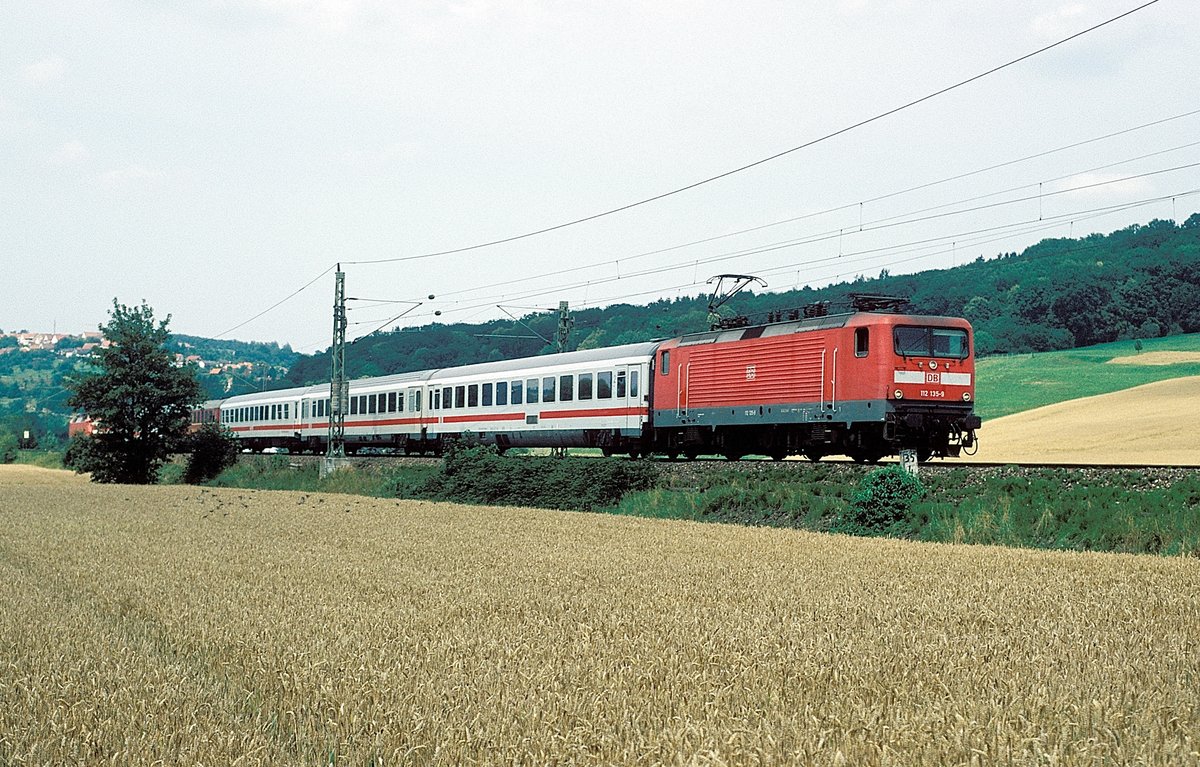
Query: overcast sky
[212, 157]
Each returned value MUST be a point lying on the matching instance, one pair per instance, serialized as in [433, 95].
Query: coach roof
[585, 358]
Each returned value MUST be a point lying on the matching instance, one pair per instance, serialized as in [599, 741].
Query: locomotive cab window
[664, 363]
[862, 342]
[950, 343]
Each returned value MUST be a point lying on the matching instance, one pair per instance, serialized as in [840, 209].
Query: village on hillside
[69, 346]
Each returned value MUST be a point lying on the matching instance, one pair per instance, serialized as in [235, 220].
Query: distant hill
[1142, 281]
[33, 391]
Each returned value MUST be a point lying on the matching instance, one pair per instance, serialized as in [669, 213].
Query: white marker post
[908, 461]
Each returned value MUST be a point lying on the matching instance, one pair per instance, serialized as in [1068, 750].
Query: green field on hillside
[1013, 383]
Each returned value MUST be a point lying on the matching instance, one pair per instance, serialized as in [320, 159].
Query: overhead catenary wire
[764, 160]
[873, 226]
[1058, 220]
[659, 251]
[778, 155]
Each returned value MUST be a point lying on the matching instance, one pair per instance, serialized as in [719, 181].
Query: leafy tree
[8, 448]
[140, 399]
[214, 449]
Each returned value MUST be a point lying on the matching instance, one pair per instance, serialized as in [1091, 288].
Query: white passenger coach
[592, 398]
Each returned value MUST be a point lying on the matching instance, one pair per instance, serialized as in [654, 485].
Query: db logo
[751, 372]
[933, 378]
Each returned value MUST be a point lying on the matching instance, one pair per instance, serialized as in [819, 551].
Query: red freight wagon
[864, 384]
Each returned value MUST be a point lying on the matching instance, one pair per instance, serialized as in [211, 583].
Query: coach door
[628, 391]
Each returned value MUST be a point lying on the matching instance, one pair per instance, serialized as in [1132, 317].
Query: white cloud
[45, 72]
[69, 153]
[131, 177]
[1063, 21]
[337, 15]
[1103, 186]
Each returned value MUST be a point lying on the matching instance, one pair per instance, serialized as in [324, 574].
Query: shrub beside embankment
[1132, 511]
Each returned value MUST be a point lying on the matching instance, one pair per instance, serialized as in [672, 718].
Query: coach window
[862, 342]
[502, 393]
[621, 384]
[287, 411]
[447, 398]
[274, 412]
[435, 402]
[391, 402]
[517, 391]
[415, 400]
[585, 386]
[354, 406]
[371, 399]
[566, 388]
[473, 395]
[604, 385]
[664, 363]
[531, 391]
[548, 389]
[487, 395]
[633, 387]
[400, 402]
[460, 396]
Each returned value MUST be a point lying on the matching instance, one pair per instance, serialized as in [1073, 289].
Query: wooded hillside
[1139, 282]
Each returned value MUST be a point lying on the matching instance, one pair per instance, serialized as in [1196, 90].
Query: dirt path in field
[1158, 423]
[20, 474]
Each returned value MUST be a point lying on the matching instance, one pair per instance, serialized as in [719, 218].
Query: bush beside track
[1153, 511]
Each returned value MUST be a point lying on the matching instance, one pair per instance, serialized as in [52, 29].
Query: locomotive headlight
[966, 396]
[899, 394]
[933, 364]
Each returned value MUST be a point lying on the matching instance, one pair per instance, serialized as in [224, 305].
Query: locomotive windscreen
[931, 342]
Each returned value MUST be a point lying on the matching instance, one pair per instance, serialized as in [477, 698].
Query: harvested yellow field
[189, 626]
[1156, 358]
[1152, 424]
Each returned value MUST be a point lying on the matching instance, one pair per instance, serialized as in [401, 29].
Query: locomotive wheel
[606, 452]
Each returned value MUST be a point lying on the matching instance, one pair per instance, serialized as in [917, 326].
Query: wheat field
[177, 625]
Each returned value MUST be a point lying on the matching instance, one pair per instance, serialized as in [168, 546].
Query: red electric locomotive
[864, 384]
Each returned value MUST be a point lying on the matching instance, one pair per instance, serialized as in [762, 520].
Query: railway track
[714, 462]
